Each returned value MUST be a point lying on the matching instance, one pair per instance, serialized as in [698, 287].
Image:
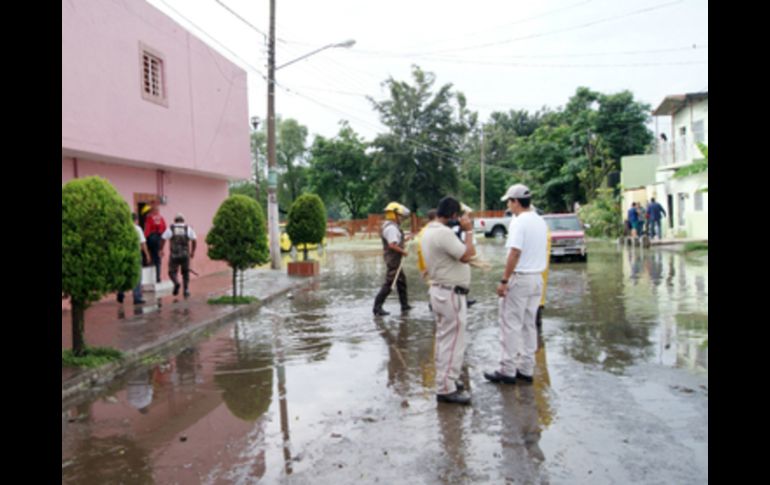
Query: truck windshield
[563, 223]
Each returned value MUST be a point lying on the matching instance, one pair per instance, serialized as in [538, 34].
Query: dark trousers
[173, 266]
[392, 264]
[153, 244]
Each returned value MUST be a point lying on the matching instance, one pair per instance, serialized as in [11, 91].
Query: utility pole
[272, 174]
[481, 208]
[255, 124]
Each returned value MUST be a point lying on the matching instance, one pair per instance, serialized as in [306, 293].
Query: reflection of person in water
[527, 412]
[139, 390]
[397, 366]
[450, 424]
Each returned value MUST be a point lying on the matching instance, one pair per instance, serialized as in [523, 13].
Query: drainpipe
[159, 186]
[75, 166]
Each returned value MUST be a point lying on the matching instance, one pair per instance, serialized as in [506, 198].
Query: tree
[238, 235]
[100, 248]
[340, 169]
[307, 221]
[501, 134]
[418, 158]
[290, 156]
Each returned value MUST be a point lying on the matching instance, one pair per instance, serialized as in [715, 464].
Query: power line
[485, 31]
[236, 14]
[214, 39]
[542, 34]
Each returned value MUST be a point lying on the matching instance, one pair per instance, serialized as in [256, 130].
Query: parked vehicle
[496, 227]
[567, 236]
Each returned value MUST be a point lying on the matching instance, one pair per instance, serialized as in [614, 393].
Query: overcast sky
[502, 54]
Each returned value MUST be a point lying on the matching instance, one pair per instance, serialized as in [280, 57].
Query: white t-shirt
[139, 231]
[529, 233]
[168, 234]
[391, 234]
[442, 252]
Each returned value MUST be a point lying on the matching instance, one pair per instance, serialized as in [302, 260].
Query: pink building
[154, 110]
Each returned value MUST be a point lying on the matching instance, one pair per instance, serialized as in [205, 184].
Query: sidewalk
[162, 323]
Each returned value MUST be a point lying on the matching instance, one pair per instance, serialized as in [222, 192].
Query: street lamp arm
[346, 44]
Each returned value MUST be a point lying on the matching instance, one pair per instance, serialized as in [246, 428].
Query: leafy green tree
[238, 235]
[291, 153]
[307, 221]
[418, 158]
[501, 134]
[340, 169]
[603, 215]
[100, 248]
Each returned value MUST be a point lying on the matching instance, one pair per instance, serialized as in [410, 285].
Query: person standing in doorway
[154, 227]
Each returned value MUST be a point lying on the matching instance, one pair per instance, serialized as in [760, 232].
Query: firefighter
[393, 243]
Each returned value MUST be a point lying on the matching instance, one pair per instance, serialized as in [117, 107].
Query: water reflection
[615, 313]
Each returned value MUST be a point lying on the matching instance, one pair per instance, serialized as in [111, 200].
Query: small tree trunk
[305, 250]
[235, 283]
[78, 340]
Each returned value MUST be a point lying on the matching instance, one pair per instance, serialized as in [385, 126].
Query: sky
[502, 54]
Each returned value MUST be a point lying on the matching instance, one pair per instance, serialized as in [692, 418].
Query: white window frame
[162, 97]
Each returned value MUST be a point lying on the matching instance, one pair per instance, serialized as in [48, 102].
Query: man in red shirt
[154, 227]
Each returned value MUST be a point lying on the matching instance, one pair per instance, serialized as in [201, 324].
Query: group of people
[647, 220]
[152, 239]
[444, 259]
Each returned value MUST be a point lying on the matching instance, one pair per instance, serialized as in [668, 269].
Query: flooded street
[313, 389]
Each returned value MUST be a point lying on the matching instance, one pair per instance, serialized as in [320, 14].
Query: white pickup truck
[493, 226]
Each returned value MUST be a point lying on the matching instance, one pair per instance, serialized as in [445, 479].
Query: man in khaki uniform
[446, 259]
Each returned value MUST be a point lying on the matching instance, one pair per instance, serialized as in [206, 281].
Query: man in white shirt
[180, 236]
[446, 260]
[520, 289]
[143, 247]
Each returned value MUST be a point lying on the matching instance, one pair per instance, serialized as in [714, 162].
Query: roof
[675, 102]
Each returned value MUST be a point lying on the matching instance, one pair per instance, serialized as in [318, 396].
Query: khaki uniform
[450, 279]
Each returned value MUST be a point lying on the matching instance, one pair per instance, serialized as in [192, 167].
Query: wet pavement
[313, 389]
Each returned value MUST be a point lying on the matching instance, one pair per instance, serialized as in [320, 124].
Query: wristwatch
[505, 282]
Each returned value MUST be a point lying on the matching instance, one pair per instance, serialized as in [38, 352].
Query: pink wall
[205, 127]
[198, 198]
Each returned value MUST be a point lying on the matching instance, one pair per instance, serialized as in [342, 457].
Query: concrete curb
[85, 382]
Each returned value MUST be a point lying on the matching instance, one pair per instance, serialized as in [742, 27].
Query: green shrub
[602, 215]
[238, 235]
[100, 248]
[90, 357]
[307, 221]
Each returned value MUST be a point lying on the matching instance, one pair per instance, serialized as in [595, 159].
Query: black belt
[457, 289]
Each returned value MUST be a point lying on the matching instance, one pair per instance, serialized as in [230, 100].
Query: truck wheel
[498, 232]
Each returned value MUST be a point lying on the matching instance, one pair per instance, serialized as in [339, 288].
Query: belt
[457, 289]
[524, 274]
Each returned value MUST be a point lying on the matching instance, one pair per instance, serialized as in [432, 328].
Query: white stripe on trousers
[518, 332]
[451, 313]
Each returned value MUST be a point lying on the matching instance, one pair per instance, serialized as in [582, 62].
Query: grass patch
[690, 247]
[229, 300]
[152, 360]
[92, 357]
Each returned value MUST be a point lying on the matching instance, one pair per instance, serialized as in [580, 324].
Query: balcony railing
[679, 151]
